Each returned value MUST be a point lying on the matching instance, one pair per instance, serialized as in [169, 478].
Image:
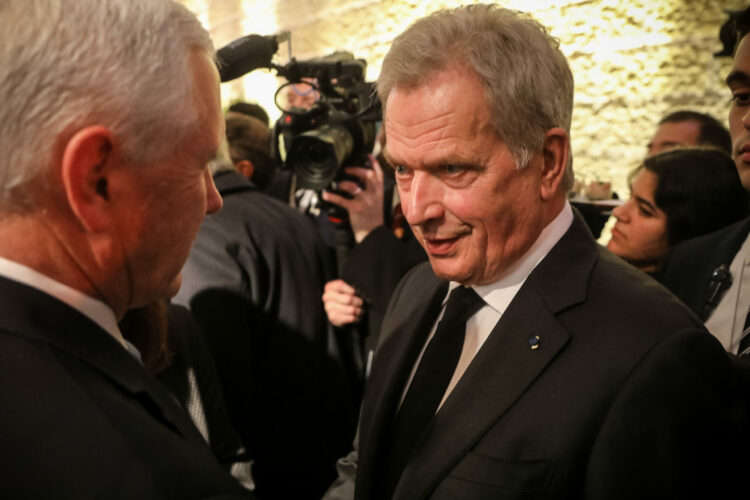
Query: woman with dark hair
[676, 195]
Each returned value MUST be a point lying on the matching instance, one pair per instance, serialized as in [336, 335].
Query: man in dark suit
[709, 273]
[110, 114]
[253, 281]
[554, 370]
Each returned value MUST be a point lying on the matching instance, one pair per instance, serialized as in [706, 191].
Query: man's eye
[400, 170]
[741, 98]
[451, 169]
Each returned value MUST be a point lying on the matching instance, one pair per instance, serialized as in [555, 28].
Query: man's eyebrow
[737, 77]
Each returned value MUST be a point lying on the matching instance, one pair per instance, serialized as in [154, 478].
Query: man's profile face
[471, 209]
[171, 197]
[670, 135]
[739, 112]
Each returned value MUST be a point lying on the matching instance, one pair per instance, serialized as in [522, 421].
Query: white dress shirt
[728, 319]
[96, 310]
[497, 297]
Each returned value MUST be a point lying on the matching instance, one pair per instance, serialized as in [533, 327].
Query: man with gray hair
[110, 115]
[525, 361]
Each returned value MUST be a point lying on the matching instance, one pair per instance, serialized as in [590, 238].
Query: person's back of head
[250, 141]
[250, 109]
[528, 85]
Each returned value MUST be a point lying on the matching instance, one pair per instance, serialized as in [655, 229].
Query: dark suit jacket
[626, 397]
[191, 356]
[374, 267]
[254, 281]
[688, 269]
[81, 418]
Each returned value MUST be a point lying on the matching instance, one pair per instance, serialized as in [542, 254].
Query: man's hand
[366, 206]
[342, 304]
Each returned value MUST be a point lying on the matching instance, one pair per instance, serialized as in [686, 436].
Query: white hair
[68, 64]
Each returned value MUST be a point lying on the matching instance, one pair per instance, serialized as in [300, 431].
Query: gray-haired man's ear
[84, 173]
[555, 151]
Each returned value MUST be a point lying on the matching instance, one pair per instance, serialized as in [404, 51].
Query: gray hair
[527, 82]
[68, 64]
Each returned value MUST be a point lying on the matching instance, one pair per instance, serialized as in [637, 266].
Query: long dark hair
[698, 189]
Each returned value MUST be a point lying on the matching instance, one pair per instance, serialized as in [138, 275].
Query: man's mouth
[440, 247]
[743, 152]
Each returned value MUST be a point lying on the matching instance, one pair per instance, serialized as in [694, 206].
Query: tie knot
[462, 303]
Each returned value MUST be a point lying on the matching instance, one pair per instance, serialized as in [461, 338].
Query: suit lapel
[500, 373]
[28, 312]
[506, 365]
[394, 361]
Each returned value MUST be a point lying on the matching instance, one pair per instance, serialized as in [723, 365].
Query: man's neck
[35, 241]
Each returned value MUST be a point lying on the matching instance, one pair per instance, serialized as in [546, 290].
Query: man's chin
[174, 286]
[449, 271]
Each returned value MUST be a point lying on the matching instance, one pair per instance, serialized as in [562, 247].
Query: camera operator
[384, 250]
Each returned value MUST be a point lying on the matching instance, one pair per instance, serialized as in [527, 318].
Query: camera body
[337, 131]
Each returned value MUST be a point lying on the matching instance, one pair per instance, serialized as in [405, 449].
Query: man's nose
[746, 119]
[422, 202]
[213, 198]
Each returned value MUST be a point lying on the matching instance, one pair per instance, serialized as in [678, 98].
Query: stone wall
[633, 61]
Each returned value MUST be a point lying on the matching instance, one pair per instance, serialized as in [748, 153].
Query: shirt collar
[96, 310]
[499, 294]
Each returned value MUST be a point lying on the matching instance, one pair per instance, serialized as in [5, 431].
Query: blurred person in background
[676, 195]
[253, 282]
[689, 128]
[710, 273]
[173, 349]
[250, 109]
[384, 250]
[249, 142]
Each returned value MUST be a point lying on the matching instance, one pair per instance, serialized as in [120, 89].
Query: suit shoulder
[628, 296]
[419, 278]
[727, 239]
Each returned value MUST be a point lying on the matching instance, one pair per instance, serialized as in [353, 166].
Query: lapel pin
[534, 342]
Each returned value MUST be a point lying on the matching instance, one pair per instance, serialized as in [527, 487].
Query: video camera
[337, 131]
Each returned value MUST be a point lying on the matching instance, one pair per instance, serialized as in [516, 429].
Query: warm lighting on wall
[259, 85]
[633, 61]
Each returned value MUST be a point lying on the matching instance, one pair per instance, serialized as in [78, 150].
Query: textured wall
[633, 61]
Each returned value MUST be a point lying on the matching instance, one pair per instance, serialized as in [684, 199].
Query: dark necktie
[428, 385]
[744, 350]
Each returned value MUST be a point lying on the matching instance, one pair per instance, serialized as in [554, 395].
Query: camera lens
[317, 155]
